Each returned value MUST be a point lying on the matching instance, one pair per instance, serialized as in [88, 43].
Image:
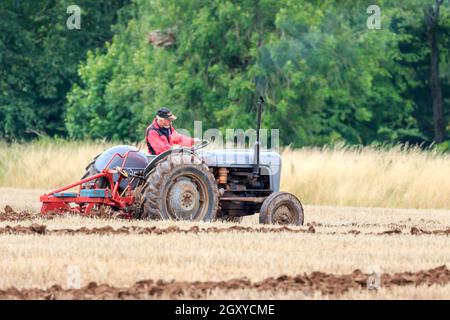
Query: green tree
[411, 23]
[326, 76]
[39, 58]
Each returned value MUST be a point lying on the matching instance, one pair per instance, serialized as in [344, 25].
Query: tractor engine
[241, 191]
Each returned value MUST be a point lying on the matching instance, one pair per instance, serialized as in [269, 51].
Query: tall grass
[47, 163]
[397, 177]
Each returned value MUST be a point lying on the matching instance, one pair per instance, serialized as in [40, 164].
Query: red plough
[89, 196]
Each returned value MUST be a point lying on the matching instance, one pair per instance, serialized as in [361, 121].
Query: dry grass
[362, 177]
[21, 199]
[45, 164]
[368, 177]
[342, 176]
[121, 260]
[33, 260]
[435, 292]
[332, 218]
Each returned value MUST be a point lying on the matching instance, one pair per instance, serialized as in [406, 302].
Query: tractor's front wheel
[281, 208]
[181, 187]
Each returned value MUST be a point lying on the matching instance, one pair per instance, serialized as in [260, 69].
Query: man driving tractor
[161, 135]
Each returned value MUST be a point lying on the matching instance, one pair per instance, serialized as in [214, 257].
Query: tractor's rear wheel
[181, 187]
[91, 170]
[281, 208]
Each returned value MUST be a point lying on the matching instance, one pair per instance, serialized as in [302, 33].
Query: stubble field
[161, 259]
[348, 250]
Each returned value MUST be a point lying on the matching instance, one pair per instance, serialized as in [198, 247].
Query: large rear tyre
[180, 187]
[101, 183]
[281, 208]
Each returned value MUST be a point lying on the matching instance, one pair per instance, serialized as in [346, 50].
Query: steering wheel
[122, 172]
[202, 145]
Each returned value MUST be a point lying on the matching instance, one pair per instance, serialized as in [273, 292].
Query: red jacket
[157, 142]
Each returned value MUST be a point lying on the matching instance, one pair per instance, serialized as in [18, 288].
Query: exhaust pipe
[257, 142]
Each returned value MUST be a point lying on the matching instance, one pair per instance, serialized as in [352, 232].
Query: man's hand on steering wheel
[201, 144]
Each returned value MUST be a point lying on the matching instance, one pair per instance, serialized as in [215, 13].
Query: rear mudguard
[135, 161]
[154, 162]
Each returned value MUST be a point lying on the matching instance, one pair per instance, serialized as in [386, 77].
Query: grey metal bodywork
[270, 162]
[135, 159]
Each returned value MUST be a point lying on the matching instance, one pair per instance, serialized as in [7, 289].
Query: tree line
[326, 75]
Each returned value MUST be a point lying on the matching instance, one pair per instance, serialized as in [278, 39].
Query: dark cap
[165, 114]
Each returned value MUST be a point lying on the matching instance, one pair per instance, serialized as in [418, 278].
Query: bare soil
[326, 283]
[109, 230]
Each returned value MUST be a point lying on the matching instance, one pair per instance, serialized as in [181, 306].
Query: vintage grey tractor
[183, 184]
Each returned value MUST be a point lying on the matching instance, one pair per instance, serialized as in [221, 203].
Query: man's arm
[181, 140]
[157, 144]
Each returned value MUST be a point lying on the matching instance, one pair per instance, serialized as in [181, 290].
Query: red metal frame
[84, 205]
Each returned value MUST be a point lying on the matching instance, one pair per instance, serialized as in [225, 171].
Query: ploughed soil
[9, 214]
[108, 230]
[329, 284]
